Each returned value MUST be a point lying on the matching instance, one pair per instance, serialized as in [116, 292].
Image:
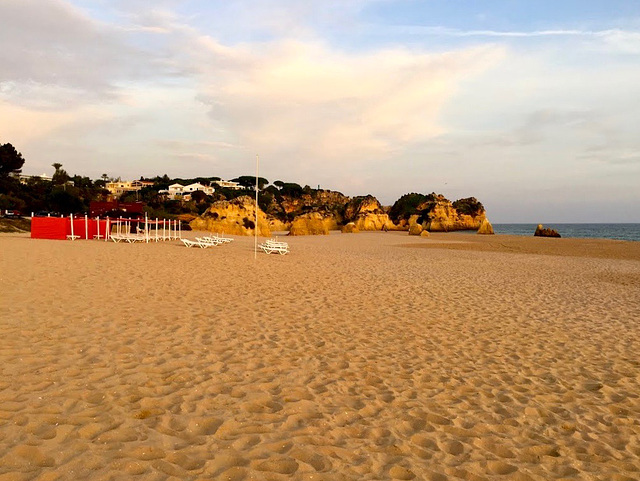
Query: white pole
[71, 217]
[156, 229]
[98, 226]
[107, 230]
[146, 228]
[164, 224]
[255, 237]
[86, 227]
[179, 229]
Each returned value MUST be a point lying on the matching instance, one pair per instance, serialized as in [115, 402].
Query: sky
[531, 107]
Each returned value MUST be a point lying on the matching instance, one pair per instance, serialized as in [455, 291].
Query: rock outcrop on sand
[313, 223]
[436, 213]
[485, 228]
[367, 214]
[235, 217]
[327, 202]
[349, 228]
[541, 231]
[415, 229]
[306, 211]
[443, 216]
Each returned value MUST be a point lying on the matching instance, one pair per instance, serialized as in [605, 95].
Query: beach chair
[221, 239]
[209, 241]
[196, 243]
[272, 246]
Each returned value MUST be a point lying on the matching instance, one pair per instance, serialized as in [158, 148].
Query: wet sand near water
[371, 356]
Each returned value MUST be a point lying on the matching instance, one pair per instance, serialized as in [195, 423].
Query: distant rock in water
[542, 232]
[485, 227]
[235, 217]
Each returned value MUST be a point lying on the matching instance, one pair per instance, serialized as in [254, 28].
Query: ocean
[629, 232]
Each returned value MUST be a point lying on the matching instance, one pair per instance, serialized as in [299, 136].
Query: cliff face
[444, 217]
[367, 214]
[322, 201]
[235, 217]
[313, 223]
[485, 228]
[436, 213]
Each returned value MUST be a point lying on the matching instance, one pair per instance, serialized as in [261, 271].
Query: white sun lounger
[130, 238]
[219, 238]
[210, 241]
[271, 246]
[195, 243]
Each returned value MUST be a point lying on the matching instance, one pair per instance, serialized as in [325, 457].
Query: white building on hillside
[228, 184]
[188, 189]
[117, 188]
[24, 178]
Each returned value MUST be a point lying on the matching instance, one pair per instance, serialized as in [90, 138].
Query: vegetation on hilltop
[67, 193]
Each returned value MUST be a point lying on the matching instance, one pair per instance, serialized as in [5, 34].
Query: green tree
[406, 206]
[11, 161]
[249, 182]
[60, 176]
[469, 206]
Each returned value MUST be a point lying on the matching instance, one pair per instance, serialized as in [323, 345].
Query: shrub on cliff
[468, 206]
[406, 206]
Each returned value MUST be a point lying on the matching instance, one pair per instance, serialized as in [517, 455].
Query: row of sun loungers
[130, 238]
[272, 246]
[207, 241]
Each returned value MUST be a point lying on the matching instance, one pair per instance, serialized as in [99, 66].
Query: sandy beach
[371, 356]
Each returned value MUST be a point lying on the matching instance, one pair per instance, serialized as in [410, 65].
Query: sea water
[629, 232]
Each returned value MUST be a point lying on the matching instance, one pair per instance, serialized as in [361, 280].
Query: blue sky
[532, 107]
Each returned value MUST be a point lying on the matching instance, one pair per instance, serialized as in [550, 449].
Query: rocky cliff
[234, 217]
[444, 217]
[287, 207]
[367, 214]
[313, 223]
[436, 213]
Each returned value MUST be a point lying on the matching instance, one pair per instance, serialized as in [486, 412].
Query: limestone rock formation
[311, 224]
[235, 217]
[276, 225]
[367, 214]
[485, 227]
[415, 229]
[444, 217]
[324, 201]
[425, 233]
[542, 232]
[437, 213]
[349, 228]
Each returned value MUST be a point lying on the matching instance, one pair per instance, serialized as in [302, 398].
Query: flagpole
[255, 237]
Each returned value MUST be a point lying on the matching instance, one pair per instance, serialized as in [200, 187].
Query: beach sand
[369, 356]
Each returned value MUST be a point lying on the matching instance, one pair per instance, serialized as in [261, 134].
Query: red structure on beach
[60, 227]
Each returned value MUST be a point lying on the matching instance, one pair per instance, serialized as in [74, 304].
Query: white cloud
[140, 91]
[325, 104]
